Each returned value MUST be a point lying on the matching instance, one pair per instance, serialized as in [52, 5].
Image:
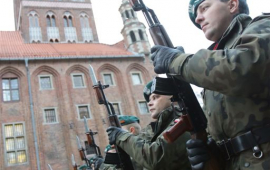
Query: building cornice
[73, 57]
[64, 5]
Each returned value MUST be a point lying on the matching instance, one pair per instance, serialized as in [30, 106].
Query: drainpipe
[32, 112]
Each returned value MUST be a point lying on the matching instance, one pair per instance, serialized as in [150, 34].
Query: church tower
[135, 37]
[55, 21]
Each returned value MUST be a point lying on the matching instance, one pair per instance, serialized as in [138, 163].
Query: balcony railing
[87, 34]
[35, 34]
[70, 34]
[53, 33]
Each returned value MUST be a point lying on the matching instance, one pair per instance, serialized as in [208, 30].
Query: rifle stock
[193, 119]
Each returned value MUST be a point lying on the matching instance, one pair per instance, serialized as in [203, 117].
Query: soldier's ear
[132, 129]
[234, 6]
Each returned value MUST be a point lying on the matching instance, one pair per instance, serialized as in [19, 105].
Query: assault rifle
[193, 118]
[82, 153]
[90, 138]
[74, 164]
[125, 161]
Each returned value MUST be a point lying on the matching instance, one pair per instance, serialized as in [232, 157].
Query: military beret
[125, 120]
[147, 91]
[83, 167]
[192, 10]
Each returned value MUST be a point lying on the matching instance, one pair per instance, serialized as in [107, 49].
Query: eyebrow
[202, 4]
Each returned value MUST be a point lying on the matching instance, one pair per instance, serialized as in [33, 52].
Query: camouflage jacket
[147, 133]
[236, 79]
[157, 153]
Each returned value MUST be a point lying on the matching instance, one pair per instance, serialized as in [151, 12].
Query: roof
[12, 46]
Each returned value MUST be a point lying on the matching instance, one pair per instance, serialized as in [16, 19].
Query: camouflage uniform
[236, 78]
[157, 154]
[124, 120]
[147, 133]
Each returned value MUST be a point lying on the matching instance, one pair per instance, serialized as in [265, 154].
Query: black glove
[113, 133]
[163, 56]
[197, 153]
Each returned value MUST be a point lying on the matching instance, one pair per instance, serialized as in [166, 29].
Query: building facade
[46, 85]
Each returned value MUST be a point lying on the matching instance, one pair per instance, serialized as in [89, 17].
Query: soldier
[129, 124]
[234, 73]
[157, 153]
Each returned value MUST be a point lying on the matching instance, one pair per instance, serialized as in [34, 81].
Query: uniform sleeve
[155, 155]
[238, 71]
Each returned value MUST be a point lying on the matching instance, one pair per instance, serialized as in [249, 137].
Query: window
[132, 13]
[45, 82]
[132, 35]
[136, 78]
[84, 20]
[15, 144]
[141, 35]
[50, 20]
[10, 88]
[108, 79]
[143, 107]
[127, 14]
[83, 110]
[117, 108]
[78, 80]
[33, 19]
[50, 115]
[68, 21]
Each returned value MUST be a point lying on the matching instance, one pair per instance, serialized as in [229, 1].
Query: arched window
[68, 20]
[127, 14]
[33, 19]
[132, 35]
[141, 35]
[84, 20]
[132, 13]
[50, 20]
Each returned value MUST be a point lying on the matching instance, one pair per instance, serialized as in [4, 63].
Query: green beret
[192, 10]
[125, 120]
[147, 91]
[83, 167]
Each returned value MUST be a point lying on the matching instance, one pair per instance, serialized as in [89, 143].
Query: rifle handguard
[99, 95]
[89, 139]
[178, 129]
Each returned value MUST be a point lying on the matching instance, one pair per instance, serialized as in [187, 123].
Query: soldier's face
[215, 16]
[158, 103]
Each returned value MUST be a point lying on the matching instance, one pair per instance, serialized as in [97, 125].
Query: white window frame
[138, 102]
[83, 79]
[51, 79]
[112, 75]
[56, 114]
[120, 108]
[78, 111]
[140, 74]
[25, 139]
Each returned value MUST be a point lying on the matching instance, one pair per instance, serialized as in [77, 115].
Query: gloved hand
[163, 56]
[197, 153]
[113, 133]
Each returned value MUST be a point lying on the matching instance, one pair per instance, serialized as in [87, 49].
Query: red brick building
[46, 86]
